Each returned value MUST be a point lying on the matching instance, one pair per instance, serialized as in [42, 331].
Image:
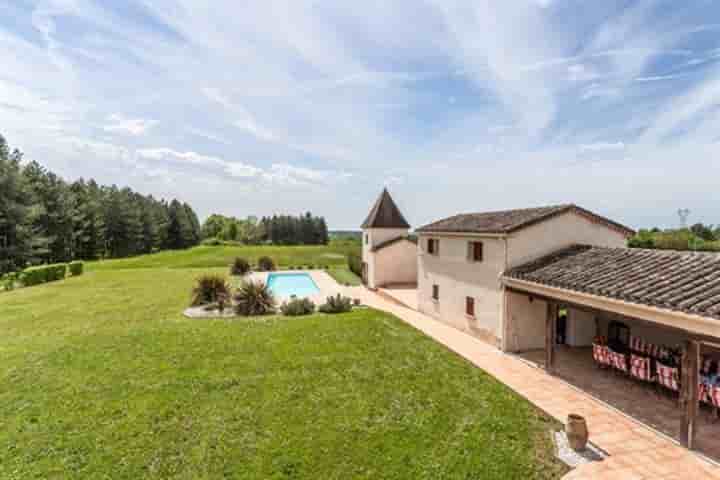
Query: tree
[15, 203]
[704, 231]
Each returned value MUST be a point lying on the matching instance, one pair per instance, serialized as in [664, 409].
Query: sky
[262, 107]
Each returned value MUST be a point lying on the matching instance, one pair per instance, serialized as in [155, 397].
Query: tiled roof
[392, 241]
[385, 214]
[688, 282]
[508, 221]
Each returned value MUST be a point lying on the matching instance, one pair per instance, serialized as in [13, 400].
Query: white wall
[526, 323]
[581, 328]
[557, 233]
[459, 278]
[396, 264]
[376, 236]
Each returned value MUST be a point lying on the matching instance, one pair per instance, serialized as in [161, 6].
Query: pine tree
[15, 226]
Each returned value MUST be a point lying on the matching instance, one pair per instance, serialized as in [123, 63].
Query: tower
[383, 225]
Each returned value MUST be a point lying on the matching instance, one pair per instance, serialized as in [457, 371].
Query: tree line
[279, 229]
[44, 219]
[698, 237]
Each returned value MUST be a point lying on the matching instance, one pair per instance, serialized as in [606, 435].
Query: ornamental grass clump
[336, 304]
[209, 289]
[297, 307]
[254, 298]
[240, 267]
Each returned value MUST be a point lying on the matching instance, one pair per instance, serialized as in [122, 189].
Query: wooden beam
[550, 337]
[689, 401]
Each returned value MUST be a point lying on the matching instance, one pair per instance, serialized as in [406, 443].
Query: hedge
[76, 268]
[43, 273]
[355, 264]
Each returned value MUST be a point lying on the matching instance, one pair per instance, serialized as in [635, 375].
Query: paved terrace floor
[636, 452]
[642, 401]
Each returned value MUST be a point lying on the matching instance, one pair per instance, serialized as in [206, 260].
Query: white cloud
[602, 146]
[581, 73]
[131, 126]
[249, 125]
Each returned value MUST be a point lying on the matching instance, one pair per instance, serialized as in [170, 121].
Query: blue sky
[282, 106]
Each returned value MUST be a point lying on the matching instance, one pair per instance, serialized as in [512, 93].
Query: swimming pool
[289, 284]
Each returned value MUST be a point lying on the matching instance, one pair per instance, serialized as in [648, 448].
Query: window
[436, 292]
[470, 306]
[366, 239]
[433, 246]
[475, 251]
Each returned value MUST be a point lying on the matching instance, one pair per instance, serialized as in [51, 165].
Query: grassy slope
[221, 256]
[101, 377]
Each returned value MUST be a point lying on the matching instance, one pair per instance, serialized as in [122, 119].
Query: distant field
[334, 254]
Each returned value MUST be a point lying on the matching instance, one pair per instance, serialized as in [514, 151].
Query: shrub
[355, 264]
[336, 304]
[57, 272]
[297, 307]
[8, 281]
[76, 268]
[209, 288]
[212, 242]
[254, 298]
[266, 264]
[240, 267]
[43, 273]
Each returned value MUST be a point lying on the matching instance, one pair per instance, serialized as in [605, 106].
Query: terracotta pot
[577, 432]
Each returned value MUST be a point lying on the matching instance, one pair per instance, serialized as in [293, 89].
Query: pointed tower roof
[385, 214]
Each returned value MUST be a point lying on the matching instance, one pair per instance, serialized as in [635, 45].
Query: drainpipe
[505, 315]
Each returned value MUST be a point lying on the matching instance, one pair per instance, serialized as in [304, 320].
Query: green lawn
[343, 276]
[101, 377]
[221, 256]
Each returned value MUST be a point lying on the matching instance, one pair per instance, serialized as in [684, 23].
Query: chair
[601, 355]
[668, 377]
[619, 361]
[640, 368]
[713, 394]
[637, 344]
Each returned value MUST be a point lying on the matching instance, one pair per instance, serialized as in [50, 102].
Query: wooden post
[550, 338]
[690, 381]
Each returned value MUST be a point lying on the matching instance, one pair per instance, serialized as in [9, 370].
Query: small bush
[266, 264]
[336, 304]
[297, 307]
[43, 273]
[209, 288]
[76, 268]
[8, 281]
[212, 242]
[355, 264]
[240, 267]
[254, 298]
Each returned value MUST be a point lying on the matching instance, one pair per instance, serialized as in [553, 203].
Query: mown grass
[222, 256]
[344, 276]
[101, 377]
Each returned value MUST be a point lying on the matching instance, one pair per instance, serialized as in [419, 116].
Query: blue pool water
[289, 284]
